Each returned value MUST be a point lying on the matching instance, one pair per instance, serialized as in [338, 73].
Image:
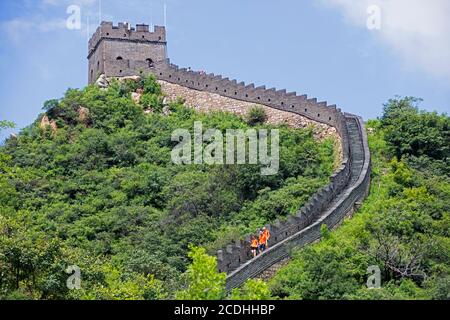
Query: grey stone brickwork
[123, 50]
[348, 185]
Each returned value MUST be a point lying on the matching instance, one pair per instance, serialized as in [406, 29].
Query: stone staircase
[265, 265]
[356, 148]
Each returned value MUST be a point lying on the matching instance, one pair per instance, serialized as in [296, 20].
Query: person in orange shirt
[267, 234]
[254, 245]
[262, 241]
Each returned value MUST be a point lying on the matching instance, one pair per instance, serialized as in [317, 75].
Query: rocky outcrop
[83, 115]
[46, 123]
[102, 82]
[136, 97]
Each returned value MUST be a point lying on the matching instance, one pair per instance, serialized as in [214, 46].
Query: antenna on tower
[165, 15]
[151, 17]
[165, 25]
[99, 12]
[87, 28]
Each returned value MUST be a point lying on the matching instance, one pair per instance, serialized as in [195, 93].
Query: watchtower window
[119, 58]
[149, 62]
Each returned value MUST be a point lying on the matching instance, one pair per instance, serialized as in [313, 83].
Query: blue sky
[322, 48]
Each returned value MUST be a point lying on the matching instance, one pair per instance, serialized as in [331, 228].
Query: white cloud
[18, 27]
[418, 31]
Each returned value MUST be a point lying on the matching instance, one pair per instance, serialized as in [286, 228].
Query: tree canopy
[98, 190]
[402, 228]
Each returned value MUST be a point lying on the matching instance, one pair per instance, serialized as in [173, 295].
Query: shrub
[256, 115]
[127, 86]
[204, 282]
[150, 85]
[153, 101]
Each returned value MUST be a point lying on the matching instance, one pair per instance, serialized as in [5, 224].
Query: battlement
[124, 32]
[114, 48]
[119, 51]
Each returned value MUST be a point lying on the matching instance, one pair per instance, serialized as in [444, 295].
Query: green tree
[256, 115]
[416, 133]
[204, 282]
[253, 289]
[6, 124]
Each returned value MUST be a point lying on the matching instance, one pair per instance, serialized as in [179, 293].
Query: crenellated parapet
[120, 51]
[237, 252]
[327, 207]
[124, 32]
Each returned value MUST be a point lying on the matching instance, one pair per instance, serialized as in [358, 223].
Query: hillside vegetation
[97, 189]
[403, 227]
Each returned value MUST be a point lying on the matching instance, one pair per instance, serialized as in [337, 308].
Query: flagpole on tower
[99, 12]
[87, 29]
[165, 25]
[165, 15]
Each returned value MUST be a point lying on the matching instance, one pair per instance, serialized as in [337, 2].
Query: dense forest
[402, 228]
[97, 189]
[91, 184]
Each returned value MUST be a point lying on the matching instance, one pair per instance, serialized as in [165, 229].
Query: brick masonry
[122, 49]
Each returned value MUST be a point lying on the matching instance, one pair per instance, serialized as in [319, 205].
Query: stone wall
[333, 215]
[206, 102]
[208, 87]
[329, 205]
[115, 50]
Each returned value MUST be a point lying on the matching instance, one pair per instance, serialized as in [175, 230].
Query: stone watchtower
[119, 51]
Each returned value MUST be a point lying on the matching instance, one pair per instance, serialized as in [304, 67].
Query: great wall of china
[121, 51]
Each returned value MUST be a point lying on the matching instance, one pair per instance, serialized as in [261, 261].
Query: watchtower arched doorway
[150, 62]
